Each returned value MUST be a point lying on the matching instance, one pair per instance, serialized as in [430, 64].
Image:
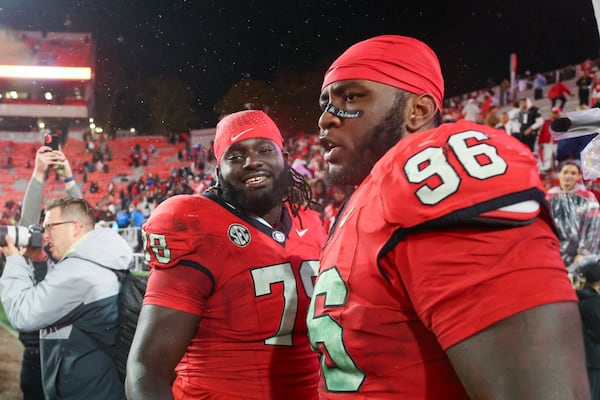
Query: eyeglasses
[48, 227]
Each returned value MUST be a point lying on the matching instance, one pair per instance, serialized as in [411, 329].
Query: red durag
[244, 125]
[398, 61]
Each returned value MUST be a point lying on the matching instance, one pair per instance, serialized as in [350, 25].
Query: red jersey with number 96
[447, 235]
[250, 283]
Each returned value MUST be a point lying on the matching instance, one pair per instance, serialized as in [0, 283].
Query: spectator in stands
[547, 144]
[9, 163]
[507, 124]
[11, 214]
[137, 216]
[318, 165]
[491, 119]
[523, 83]
[299, 164]
[538, 86]
[98, 155]
[100, 166]
[104, 214]
[584, 88]
[94, 187]
[320, 193]
[471, 110]
[75, 306]
[91, 146]
[137, 220]
[123, 218]
[504, 89]
[587, 65]
[339, 194]
[487, 103]
[589, 307]
[530, 121]
[45, 157]
[576, 214]
[557, 93]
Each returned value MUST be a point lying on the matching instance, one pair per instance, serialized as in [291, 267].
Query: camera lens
[19, 234]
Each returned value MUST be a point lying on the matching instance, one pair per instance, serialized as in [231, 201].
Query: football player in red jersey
[232, 274]
[442, 277]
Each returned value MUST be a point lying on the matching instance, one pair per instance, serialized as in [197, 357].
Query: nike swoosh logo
[236, 137]
[345, 218]
[301, 232]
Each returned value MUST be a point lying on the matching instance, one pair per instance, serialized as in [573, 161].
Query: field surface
[11, 354]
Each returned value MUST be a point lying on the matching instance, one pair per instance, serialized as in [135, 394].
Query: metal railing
[133, 237]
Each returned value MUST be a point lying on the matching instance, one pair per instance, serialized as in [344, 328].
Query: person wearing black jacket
[530, 121]
[589, 306]
[584, 88]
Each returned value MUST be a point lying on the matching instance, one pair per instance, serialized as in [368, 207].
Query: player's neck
[272, 217]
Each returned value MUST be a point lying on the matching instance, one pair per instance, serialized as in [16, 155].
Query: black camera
[22, 236]
[52, 140]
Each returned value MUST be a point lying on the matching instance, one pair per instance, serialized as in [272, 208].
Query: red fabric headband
[242, 125]
[399, 61]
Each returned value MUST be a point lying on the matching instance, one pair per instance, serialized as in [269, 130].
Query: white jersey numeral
[265, 277]
[440, 179]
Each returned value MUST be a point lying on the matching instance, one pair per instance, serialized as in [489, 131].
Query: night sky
[212, 44]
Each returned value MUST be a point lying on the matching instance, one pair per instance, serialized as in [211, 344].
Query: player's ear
[421, 112]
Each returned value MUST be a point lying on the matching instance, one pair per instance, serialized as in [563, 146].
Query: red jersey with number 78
[250, 283]
[447, 235]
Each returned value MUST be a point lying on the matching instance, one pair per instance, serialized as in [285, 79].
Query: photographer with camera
[75, 306]
[45, 158]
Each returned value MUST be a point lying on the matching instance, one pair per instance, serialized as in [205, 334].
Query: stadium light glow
[42, 72]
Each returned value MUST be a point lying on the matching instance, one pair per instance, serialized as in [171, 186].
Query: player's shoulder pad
[454, 167]
[175, 229]
[177, 213]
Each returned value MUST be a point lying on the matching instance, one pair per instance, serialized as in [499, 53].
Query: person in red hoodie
[557, 93]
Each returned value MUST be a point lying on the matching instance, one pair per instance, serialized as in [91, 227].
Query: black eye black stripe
[338, 112]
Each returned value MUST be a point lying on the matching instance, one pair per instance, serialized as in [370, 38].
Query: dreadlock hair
[299, 194]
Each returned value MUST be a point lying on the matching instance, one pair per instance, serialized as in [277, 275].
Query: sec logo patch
[239, 235]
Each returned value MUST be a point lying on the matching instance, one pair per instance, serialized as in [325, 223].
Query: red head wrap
[399, 61]
[244, 125]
